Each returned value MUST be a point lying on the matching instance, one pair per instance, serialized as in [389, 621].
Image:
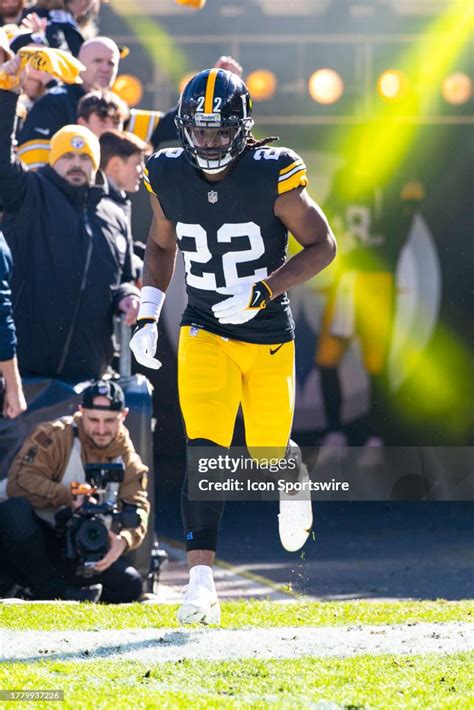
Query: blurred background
[379, 88]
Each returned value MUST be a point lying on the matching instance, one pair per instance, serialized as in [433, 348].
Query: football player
[373, 225]
[227, 202]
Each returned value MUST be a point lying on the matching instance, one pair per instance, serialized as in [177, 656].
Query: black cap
[104, 388]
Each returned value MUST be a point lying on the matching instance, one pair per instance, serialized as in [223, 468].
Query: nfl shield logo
[212, 196]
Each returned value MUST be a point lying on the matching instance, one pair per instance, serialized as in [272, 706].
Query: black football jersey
[228, 233]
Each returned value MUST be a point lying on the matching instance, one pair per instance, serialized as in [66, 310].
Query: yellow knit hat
[75, 139]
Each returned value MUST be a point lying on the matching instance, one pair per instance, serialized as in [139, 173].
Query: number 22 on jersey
[202, 254]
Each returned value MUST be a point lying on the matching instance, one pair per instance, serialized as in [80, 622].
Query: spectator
[51, 458]
[13, 398]
[72, 253]
[58, 107]
[35, 82]
[122, 160]
[60, 17]
[102, 111]
[11, 12]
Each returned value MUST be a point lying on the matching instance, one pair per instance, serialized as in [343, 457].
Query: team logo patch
[212, 196]
[77, 142]
[193, 331]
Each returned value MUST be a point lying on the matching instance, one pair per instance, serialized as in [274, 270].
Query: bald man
[58, 107]
[101, 57]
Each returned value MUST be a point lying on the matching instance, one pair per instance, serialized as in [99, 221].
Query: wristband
[151, 303]
[261, 294]
[142, 322]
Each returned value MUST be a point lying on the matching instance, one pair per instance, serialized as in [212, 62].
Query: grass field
[431, 681]
[237, 614]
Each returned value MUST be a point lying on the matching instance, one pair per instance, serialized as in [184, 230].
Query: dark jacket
[122, 200]
[7, 327]
[72, 264]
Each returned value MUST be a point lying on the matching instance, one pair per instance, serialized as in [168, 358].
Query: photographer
[57, 454]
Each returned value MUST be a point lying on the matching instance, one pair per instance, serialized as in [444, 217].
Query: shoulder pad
[291, 170]
[154, 165]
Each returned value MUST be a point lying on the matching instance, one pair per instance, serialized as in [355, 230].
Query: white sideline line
[162, 645]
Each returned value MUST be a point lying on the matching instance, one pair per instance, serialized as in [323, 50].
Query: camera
[84, 532]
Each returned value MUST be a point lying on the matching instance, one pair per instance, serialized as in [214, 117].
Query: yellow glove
[198, 4]
[8, 82]
[60, 64]
[10, 77]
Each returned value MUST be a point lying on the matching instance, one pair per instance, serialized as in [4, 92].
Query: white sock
[202, 574]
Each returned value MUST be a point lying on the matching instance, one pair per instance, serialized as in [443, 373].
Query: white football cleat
[296, 513]
[200, 604]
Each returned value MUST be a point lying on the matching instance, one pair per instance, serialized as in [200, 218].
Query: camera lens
[92, 536]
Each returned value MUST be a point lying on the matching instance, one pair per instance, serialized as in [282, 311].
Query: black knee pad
[201, 518]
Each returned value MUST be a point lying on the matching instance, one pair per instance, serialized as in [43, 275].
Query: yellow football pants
[216, 375]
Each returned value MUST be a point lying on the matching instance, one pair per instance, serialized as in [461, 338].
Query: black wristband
[260, 296]
[141, 322]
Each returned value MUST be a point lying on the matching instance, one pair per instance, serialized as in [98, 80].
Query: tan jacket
[39, 466]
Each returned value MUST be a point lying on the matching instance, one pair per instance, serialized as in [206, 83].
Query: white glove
[246, 301]
[143, 345]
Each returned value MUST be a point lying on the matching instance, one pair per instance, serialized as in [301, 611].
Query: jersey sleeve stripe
[148, 186]
[211, 82]
[298, 179]
[283, 171]
[298, 169]
[34, 154]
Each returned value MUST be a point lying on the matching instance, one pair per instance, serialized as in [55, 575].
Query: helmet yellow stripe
[211, 82]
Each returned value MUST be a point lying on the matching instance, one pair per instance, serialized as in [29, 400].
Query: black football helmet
[214, 119]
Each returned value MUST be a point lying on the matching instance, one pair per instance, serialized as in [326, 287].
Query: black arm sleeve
[12, 175]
